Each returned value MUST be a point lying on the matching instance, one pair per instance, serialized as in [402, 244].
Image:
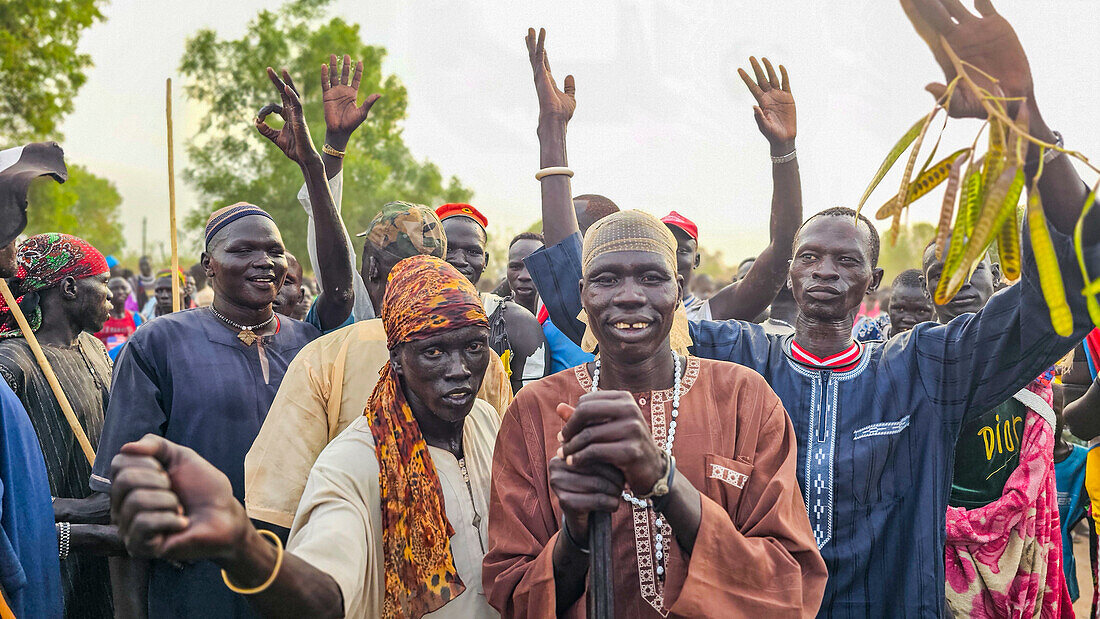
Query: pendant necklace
[246, 334]
[662, 532]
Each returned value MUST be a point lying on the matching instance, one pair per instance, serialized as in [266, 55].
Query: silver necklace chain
[239, 326]
[659, 524]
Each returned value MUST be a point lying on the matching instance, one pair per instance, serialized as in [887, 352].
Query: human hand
[342, 116]
[987, 42]
[775, 111]
[607, 428]
[555, 106]
[584, 489]
[293, 139]
[171, 503]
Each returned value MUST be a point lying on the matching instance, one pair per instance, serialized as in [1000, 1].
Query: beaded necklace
[662, 532]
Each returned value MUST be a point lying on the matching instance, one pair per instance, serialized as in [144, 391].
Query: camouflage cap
[403, 230]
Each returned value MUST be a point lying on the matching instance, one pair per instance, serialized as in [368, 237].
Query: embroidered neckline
[645, 543]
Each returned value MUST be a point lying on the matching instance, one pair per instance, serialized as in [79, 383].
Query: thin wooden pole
[600, 588]
[172, 201]
[51, 378]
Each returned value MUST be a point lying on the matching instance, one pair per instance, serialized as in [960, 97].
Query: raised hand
[293, 139]
[342, 116]
[775, 112]
[171, 503]
[555, 106]
[987, 42]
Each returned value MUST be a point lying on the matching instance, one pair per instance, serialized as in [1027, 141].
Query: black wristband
[661, 502]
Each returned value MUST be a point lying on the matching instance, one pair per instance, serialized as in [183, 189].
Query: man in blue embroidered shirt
[877, 422]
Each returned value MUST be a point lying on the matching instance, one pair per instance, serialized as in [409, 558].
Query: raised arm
[977, 361]
[555, 109]
[775, 116]
[1083, 414]
[988, 43]
[335, 258]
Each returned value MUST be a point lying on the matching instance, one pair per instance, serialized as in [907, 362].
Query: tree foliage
[86, 205]
[230, 162]
[39, 66]
[907, 253]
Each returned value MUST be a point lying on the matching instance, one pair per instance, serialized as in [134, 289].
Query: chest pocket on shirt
[881, 461]
[726, 480]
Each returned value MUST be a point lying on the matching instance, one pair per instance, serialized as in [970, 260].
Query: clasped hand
[606, 446]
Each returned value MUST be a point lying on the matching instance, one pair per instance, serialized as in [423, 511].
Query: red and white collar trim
[844, 360]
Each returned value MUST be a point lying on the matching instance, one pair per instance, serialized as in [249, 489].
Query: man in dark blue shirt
[876, 422]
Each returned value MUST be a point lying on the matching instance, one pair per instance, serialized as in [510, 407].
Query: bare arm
[775, 116]
[172, 504]
[525, 336]
[1083, 414]
[335, 258]
[555, 109]
[95, 509]
[988, 43]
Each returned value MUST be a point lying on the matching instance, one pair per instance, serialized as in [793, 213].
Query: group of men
[413, 446]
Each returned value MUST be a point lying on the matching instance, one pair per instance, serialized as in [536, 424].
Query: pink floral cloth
[1005, 559]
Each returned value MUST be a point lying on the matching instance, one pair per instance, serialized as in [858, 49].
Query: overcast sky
[663, 122]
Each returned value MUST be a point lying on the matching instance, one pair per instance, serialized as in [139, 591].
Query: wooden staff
[51, 378]
[600, 589]
[172, 201]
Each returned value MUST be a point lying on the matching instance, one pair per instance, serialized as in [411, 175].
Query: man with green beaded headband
[694, 459]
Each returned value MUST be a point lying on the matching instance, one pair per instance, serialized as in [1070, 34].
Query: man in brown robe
[715, 526]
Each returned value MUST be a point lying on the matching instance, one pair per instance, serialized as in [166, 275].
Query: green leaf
[893, 155]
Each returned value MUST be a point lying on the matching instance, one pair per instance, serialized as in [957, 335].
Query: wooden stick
[172, 201]
[600, 588]
[51, 378]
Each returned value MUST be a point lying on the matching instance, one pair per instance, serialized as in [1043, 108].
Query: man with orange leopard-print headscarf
[393, 519]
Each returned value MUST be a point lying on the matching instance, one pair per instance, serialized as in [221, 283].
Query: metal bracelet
[328, 150]
[1052, 154]
[785, 158]
[63, 534]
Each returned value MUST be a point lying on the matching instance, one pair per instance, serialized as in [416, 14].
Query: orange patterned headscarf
[425, 297]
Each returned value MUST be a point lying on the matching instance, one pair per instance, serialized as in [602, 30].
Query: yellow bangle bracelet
[274, 573]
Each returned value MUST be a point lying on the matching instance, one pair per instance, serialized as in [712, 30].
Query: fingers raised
[773, 81]
[761, 79]
[324, 78]
[274, 77]
[786, 85]
[357, 75]
[570, 86]
[985, 7]
[332, 69]
[935, 14]
[957, 10]
[345, 70]
[753, 88]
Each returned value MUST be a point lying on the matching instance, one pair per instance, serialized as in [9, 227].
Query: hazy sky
[663, 122]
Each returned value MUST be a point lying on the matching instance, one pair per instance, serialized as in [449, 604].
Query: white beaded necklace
[660, 526]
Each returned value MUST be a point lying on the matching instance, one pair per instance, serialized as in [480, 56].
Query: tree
[86, 205]
[907, 253]
[39, 66]
[230, 162]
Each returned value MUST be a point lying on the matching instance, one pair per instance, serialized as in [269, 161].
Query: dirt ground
[1083, 605]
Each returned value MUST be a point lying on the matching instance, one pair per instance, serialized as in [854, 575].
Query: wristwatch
[660, 487]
